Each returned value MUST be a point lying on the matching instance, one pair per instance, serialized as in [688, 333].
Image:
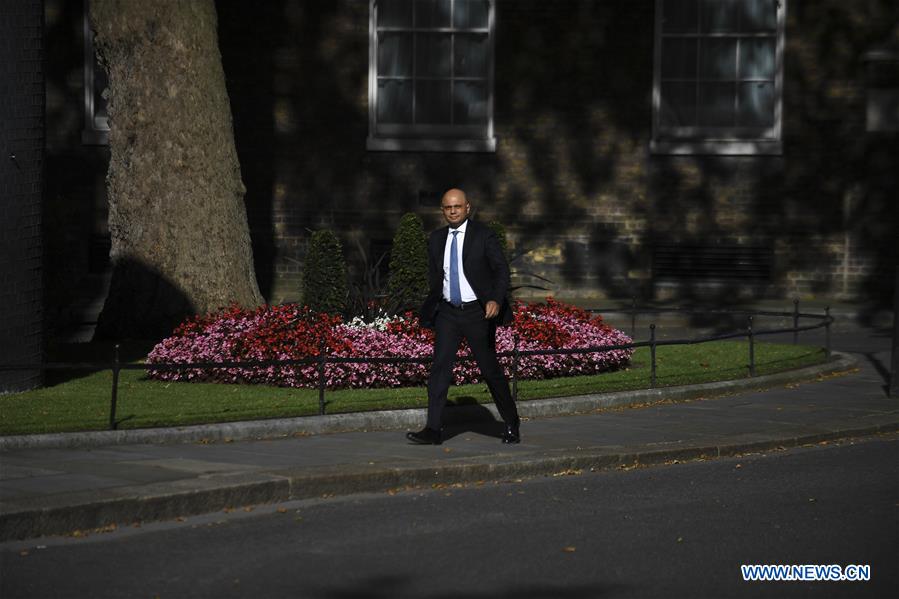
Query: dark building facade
[21, 168]
[650, 148]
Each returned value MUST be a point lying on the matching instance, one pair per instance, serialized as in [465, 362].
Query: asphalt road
[679, 530]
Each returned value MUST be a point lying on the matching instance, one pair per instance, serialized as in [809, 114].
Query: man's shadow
[465, 415]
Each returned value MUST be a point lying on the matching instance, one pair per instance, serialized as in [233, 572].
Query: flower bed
[290, 332]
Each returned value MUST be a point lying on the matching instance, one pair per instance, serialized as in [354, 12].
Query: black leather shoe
[511, 434]
[426, 436]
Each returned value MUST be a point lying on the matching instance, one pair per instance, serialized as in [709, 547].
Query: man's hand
[491, 310]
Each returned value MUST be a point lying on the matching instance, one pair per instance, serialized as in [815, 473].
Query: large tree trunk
[180, 241]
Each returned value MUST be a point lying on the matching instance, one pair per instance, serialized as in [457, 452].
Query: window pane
[758, 15]
[719, 16]
[678, 104]
[432, 102]
[757, 58]
[433, 55]
[470, 103]
[395, 55]
[716, 104]
[718, 59]
[432, 13]
[756, 104]
[679, 58]
[471, 55]
[394, 13]
[471, 14]
[680, 16]
[394, 102]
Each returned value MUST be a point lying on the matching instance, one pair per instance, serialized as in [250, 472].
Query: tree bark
[180, 240]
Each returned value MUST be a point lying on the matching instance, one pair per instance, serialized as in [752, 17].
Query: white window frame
[879, 119]
[710, 140]
[437, 138]
[96, 128]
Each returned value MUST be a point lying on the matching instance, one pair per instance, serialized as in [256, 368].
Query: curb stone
[412, 418]
[172, 500]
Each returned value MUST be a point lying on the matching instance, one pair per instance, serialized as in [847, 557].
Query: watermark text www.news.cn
[805, 572]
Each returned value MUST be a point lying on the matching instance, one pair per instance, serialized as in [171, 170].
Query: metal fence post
[893, 389]
[751, 347]
[652, 353]
[633, 317]
[322, 360]
[827, 331]
[795, 320]
[115, 388]
[515, 355]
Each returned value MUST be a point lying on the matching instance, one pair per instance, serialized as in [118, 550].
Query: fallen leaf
[249, 508]
[24, 553]
[282, 510]
[568, 472]
[569, 549]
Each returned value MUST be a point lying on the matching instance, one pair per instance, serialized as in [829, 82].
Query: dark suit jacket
[484, 265]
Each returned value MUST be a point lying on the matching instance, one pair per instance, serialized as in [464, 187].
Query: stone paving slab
[55, 491]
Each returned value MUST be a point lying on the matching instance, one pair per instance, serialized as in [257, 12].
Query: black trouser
[450, 327]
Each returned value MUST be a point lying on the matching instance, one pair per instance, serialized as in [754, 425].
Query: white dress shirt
[468, 294]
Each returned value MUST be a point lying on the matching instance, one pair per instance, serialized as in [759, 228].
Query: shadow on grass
[96, 352]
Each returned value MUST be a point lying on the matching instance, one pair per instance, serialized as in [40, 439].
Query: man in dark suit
[468, 283]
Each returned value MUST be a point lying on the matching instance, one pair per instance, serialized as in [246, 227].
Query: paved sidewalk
[55, 491]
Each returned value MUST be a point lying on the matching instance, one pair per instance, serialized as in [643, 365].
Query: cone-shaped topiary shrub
[500, 231]
[324, 274]
[408, 282]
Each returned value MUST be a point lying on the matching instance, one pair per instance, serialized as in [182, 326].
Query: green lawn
[80, 401]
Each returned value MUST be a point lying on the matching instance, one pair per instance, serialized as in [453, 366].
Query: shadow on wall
[254, 30]
[838, 185]
[149, 307]
[74, 205]
[572, 177]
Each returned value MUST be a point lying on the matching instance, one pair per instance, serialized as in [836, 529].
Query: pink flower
[291, 333]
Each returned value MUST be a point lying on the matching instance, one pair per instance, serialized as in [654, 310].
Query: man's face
[455, 209]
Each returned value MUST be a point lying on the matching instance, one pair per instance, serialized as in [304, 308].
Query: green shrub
[324, 274]
[500, 232]
[408, 282]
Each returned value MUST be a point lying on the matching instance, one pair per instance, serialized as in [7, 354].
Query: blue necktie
[455, 289]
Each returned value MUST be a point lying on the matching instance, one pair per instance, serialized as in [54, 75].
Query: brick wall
[21, 160]
[572, 177]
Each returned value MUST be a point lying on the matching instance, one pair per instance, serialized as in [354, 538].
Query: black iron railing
[323, 359]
